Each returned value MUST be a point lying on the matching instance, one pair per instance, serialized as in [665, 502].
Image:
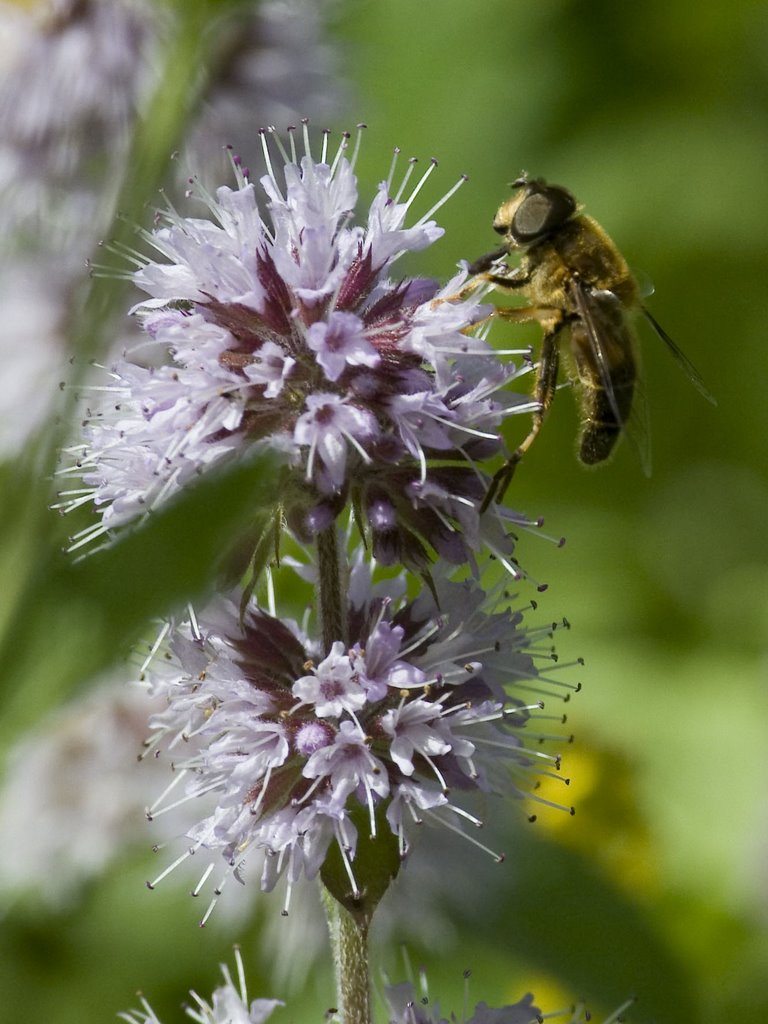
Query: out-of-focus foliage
[654, 115]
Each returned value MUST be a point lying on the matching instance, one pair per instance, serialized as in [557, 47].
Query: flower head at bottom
[297, 750]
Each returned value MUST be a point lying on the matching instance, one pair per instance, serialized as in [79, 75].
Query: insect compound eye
[543, 210]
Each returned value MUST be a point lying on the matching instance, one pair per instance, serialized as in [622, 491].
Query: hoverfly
[578, 284]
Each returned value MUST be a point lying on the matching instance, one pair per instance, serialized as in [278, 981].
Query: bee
[578, 285]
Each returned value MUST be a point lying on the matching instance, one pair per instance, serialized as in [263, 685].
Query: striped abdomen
[605, 364]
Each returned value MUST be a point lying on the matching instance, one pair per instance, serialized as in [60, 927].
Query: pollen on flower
[274, 323]
[312, 736]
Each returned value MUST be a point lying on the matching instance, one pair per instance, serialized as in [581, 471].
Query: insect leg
[518, 277]
[544, 388]
[484, 263]
[504, 282]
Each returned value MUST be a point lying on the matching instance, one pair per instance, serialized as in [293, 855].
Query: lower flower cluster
[294, 744]
[405, 1005]
[228, 1005]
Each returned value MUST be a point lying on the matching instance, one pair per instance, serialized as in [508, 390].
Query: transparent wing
[638, 427]
[681, 358]
[614, 354]
[599, 326]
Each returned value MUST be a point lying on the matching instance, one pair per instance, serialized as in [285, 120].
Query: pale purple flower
[423, 421]
[389, 238]
[417, 728]
[346, 764]
[333, 687]
[71, 77]
[272, 368]
[228, 1005]
[380, 666]
[407, 1006]
[66, 106]
[287, 744]
[277, 325]
[75, 75]
[341, 342]
[328, 427]
[77, 72]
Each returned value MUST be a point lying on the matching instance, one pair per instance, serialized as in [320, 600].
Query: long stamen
[294, 157]
[498, 857]
[343, 850]
[421, 182]
[358, 141]
[441, 202]
[305, 134]
[412, 161]
[172, 867]
[203, 879]
[391, 174]
[340, 151]
[267, 156]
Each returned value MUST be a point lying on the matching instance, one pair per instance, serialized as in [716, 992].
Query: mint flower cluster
[405, 1002]
[277, 325]
[406, 694]
[291, 739]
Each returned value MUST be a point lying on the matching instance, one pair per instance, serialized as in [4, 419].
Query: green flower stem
[349, 942]
[332, 586]
[349, 936]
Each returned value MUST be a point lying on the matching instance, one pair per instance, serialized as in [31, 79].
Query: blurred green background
[654, 115]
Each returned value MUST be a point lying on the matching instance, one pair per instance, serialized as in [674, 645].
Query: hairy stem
[349, 942]
[349, 937]
[332, 584]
